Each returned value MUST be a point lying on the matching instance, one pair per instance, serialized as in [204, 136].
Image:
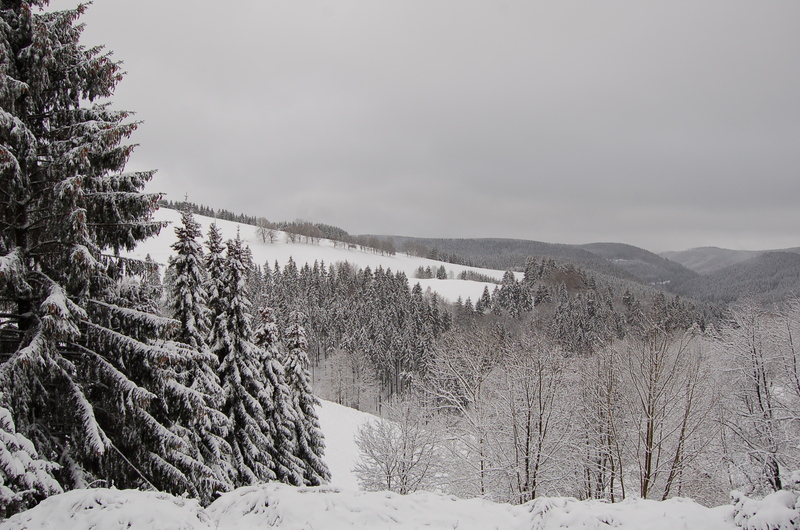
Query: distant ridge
[705, 260]
[708, 274]
[614, 259]
[768, 277]
[645, 265]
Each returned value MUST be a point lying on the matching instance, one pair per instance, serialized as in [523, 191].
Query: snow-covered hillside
[159, 250]
[339, 425]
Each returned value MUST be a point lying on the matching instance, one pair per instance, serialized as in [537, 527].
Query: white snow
[339, 424]
[280, 252]
[111, 509]
[286, 507]
[291, 508]
[777, 511]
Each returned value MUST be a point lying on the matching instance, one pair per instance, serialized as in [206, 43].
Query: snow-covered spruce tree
[87, 380]
[24, 478]
[215, 264]
[283, 416]
[253, 394]
[188, 299]
[310, 441]
[202, 424]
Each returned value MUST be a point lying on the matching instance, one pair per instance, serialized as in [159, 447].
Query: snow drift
[292, 508]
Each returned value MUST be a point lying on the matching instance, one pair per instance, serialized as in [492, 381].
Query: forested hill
[704, 260]
[710, 275]
[643, 264]
[707, 274]
[614, 259]
[768, 277]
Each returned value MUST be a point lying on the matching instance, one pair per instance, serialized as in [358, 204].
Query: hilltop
[323, 250]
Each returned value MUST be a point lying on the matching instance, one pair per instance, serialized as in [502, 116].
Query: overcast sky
[666, 125]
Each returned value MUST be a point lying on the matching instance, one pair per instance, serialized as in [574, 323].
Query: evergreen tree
[253, 390]
[188, 297]
[203, 425]
[89, 380]
[24, 478]
[215, 265]
[282, 416]
[310, 441]
[531, 272]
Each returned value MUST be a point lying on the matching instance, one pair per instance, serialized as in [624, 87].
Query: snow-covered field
[280, 252]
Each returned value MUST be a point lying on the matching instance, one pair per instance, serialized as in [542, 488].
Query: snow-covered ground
[339, 425]
[280, 252]
[341, 505]
[290, 508]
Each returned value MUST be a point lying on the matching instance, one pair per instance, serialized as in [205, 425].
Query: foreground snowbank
[110, 509]
[291, 508]
[777, 511]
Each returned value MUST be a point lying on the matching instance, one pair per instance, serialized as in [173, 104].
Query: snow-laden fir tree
[290, 466]
[215, 264]
[204, 426]
[310, 441]
[24, 478]
[188, 299]
[253, 395]
[89, 378]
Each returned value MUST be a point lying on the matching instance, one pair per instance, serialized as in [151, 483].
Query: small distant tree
[215, 266]
[264, 230]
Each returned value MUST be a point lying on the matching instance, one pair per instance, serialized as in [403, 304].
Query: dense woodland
[196, 378]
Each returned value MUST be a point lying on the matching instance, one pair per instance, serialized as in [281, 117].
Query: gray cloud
[665, 125]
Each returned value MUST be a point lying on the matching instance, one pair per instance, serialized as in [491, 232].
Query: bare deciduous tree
[401, 453]
[263, 229]
[763, 412]
[667, 402]
[530, 420]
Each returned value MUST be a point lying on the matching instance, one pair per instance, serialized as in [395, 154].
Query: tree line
[664, 409]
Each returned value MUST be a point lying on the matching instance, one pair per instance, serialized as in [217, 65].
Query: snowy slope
[159, 250]
[339, 425]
